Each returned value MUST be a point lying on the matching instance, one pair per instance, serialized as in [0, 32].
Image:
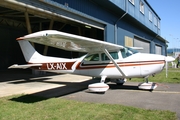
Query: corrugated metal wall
[134, 10]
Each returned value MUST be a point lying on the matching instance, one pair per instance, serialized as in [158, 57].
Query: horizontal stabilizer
[24, 66]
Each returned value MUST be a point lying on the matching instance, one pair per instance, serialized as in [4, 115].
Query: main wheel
[120, 81]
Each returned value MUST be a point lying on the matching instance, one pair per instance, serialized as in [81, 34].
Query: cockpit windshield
[132, 50]
[126, 52]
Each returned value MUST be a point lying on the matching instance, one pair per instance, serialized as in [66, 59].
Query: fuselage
[135, 65]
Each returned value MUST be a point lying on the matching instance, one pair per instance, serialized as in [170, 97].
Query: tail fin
[30, 54]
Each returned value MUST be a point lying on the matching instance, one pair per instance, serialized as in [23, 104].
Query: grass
[173, 76]
[27, 107]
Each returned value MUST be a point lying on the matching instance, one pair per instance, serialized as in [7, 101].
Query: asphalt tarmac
[164, 97]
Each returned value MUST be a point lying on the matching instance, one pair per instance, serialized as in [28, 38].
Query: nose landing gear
[147, 85]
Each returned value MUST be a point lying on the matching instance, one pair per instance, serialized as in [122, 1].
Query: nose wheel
[147, 85]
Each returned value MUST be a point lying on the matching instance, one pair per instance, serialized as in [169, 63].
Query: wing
[69, 42]
[24, 66]
[137, 48]
[73, 43]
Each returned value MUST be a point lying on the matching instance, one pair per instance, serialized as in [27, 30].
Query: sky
[169, 12]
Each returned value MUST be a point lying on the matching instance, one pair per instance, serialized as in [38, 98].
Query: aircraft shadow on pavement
[69, 88]
[126, 87]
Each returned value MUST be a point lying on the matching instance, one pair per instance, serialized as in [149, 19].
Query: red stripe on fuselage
[82, 66]
[121, 64]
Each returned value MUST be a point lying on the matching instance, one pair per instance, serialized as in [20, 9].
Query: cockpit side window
[93, 57]
[114, 55]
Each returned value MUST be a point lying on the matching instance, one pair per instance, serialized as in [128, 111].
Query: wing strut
[110, 57]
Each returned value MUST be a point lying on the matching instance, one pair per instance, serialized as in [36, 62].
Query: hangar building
[123, 22]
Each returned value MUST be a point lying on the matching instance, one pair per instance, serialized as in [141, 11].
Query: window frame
[158, 23]
[155, 21]
[150, 16]
[141, 7]
[132, 1]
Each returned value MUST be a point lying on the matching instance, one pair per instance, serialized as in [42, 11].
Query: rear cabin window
[104, 57]
[93, 57]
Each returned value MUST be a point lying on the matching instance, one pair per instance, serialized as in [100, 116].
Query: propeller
[168, 59]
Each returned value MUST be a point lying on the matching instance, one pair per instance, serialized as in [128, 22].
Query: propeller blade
[166, 69]
[168, 59]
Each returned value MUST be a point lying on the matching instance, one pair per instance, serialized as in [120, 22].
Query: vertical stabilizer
[30, 54]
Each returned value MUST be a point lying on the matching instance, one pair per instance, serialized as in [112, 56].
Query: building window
[128, 41]
[155, 21]
[132, 1]
[150, 16]
[142, 7]
[159, 24]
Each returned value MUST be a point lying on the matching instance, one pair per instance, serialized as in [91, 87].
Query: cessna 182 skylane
[103, 59]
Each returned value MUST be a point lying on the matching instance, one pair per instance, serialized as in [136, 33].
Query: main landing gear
[147, 85]
[119, 81]
[102, 86]
[99, 87]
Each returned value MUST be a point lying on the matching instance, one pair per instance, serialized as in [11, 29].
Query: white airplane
[103, 59]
